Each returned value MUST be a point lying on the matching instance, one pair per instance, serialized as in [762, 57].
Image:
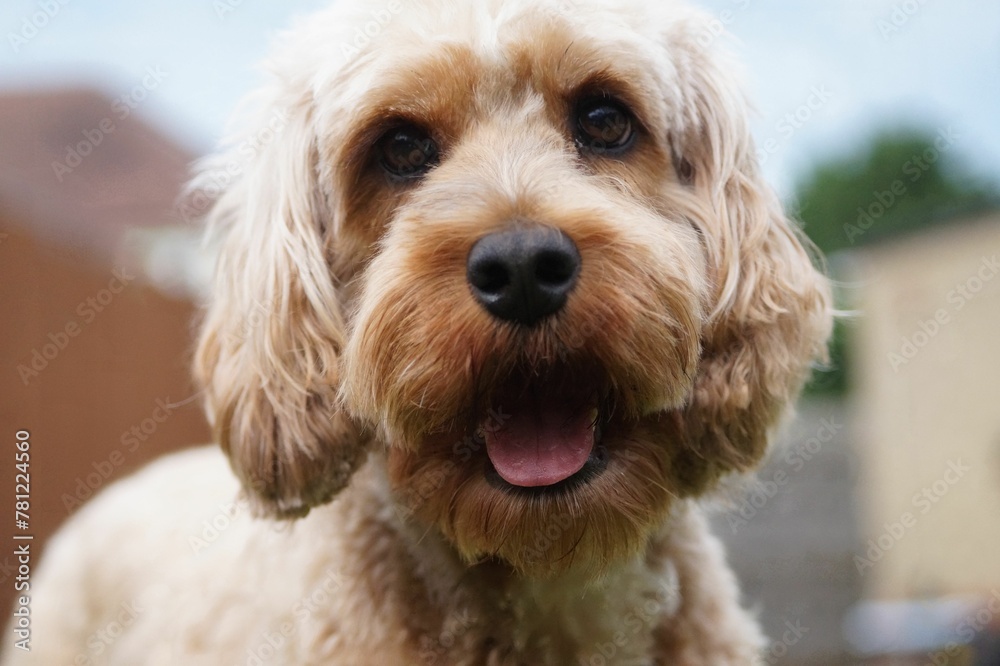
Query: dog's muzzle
[523, 275]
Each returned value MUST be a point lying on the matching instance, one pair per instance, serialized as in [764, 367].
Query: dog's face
[526, 249]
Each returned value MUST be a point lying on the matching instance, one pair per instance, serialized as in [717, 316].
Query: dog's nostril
[555, 267]
[523, 275]
[491, 277]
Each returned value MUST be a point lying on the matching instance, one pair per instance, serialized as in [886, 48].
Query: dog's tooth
[594, 414]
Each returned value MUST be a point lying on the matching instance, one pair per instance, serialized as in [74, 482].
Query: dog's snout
[523, 275]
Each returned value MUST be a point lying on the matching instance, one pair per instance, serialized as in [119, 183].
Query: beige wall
[928, 367]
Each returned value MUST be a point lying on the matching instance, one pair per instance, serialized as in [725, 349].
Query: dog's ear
[770, 307]
[269, 347]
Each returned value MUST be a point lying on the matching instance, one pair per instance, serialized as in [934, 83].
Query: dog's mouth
[544, 435]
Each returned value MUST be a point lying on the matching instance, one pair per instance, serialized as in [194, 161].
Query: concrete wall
[928, 368]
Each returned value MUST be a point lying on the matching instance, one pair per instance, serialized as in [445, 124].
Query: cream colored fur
[139, 578]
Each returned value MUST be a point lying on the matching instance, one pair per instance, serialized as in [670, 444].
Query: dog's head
[526, 249]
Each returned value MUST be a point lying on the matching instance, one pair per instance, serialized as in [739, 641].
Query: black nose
[523, 275]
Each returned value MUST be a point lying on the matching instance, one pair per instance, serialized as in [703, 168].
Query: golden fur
[694, 323]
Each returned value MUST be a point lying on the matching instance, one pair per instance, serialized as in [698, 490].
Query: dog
[529, 302]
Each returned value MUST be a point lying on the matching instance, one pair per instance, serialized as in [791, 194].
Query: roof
[81, 169]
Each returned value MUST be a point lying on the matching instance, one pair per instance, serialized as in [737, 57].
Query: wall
[929, 402]
[108, 375]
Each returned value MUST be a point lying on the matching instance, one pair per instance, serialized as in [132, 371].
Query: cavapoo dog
[527, 300]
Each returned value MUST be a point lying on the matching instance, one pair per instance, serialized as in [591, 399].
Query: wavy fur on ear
[771, 310]
[269, 347]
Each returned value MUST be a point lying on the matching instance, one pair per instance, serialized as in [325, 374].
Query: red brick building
[93, 358]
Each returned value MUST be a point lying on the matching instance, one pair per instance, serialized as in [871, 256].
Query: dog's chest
[560, 623]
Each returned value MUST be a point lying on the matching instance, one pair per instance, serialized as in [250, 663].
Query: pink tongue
[541, 445]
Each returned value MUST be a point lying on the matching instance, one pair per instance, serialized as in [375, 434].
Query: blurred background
[873, 534]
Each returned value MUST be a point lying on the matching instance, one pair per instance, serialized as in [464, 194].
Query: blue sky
[861, 64]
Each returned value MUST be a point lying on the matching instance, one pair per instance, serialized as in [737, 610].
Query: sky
[824, 76]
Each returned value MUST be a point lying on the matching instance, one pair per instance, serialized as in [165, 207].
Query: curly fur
[361, 397]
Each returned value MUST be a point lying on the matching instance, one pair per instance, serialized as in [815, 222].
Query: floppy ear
[771, 307]
[269, 347]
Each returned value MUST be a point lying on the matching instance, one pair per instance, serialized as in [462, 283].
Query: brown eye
[604, 125]
[407, 152]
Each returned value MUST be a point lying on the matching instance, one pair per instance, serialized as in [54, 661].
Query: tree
[898, 183]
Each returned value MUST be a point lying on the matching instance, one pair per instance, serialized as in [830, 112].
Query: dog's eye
[604, 125]
[407, 152]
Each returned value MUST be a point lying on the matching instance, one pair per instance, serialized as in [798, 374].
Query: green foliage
[832, 379]
[900, 182]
